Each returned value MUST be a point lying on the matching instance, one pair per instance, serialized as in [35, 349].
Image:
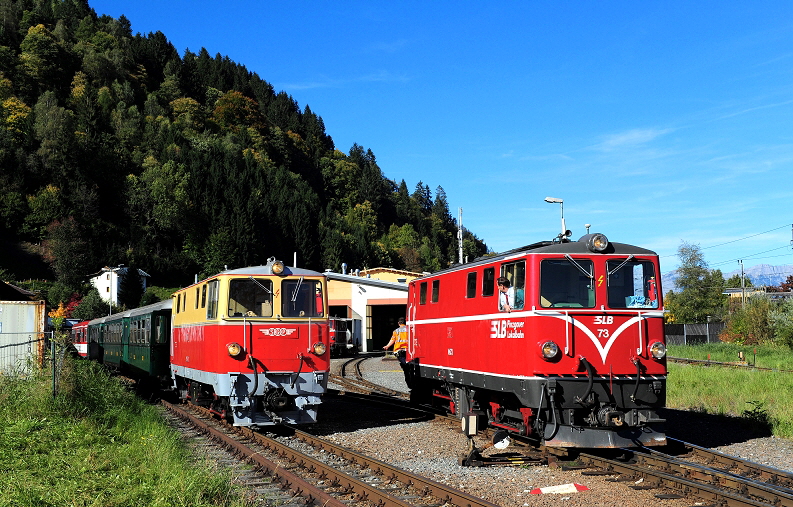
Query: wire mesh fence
[23, 354]
[693, 334]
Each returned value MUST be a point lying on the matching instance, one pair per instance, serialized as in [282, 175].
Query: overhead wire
[741, 239]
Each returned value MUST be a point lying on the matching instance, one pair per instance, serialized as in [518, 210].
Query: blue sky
[655, 122]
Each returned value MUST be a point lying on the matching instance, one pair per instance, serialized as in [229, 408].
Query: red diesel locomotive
[252, 344]
[572, 355]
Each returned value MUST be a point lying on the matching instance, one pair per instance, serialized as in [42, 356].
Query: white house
[108, 280]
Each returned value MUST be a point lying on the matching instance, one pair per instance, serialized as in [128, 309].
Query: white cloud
[630, 138]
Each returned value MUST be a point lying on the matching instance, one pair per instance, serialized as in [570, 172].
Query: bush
[782, 323]
[751, 324]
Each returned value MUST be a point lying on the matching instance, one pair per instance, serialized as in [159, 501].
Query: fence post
[52, 358]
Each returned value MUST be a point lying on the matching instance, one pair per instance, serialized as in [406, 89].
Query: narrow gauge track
[340, 476]
[355, 382]
[697, 471]
[685, 469]
[708, 362]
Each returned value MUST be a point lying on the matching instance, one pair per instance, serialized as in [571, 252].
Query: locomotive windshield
[251, 297]
[566, 283]
[632, 284]
[302, 298]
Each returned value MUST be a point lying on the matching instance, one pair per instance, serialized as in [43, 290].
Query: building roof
[117, 268]
[373, 271]
[9, 292]
[362, 280]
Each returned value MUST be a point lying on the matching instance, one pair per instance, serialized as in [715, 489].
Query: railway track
[677, 470]
[708, 362]
[350, 378]
[699, 472]
[322, 473]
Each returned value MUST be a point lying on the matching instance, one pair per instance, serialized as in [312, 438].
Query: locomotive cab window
[251, 297]
[632, 284]
[436, 288]
[567, 283]
[302, 298]
[212, 302]
[515, 272]
[489, 282]
[470, 289]
[423, 293]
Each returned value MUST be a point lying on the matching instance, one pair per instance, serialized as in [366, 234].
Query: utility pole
[460, 234]
[743, 289]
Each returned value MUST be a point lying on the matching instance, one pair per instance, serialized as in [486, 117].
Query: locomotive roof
[267, 270]
[551, 247]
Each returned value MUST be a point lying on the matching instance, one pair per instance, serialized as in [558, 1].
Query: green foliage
[91, 307]
[727, 391]
[130, 288]
[700, 292]
[95, 444]
[781, 319]
[116, 150]
[751, 323]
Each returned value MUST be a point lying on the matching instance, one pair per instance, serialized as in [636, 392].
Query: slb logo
[506, 328]
[604, 319]
[498, 329]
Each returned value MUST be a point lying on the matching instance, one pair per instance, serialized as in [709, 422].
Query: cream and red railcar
[252, 344]
[80, 339]
[579, 361]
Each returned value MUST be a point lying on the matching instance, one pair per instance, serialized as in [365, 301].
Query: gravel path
[431, 449]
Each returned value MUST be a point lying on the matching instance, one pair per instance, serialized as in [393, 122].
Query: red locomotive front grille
[609, 342]
[276, 347]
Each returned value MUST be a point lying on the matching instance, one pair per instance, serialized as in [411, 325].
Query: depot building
[372, 300]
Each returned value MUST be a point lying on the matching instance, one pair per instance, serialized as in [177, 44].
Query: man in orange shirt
[399, 339]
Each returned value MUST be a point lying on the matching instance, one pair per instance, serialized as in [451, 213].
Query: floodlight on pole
[554, 200]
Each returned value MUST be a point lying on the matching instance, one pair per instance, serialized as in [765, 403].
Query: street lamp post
[554, 200]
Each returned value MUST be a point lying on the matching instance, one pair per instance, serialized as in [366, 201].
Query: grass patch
[761, 397]
[95, 444]
[767, 356]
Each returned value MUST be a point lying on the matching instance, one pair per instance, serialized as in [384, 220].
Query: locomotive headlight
[658, 350]
[235, 350]
[549, 350]
[597, 242]
[318, 348]
[278, 267]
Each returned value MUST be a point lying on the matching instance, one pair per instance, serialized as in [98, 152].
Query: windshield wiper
[265, 289]
[297, 288]
[579, 266]
[620, 266]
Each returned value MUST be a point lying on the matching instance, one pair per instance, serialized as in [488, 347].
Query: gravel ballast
[431, 449]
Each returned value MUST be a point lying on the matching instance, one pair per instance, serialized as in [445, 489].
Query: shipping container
[22, 337]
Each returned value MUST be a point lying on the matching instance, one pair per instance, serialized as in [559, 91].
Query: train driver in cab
[506, 295]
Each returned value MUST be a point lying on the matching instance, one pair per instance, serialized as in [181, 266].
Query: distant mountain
[761, 274]
[764, 274]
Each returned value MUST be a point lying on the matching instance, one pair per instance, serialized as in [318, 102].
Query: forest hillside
[115, 149]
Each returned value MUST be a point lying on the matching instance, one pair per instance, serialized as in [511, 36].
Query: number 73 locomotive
[561, 341]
